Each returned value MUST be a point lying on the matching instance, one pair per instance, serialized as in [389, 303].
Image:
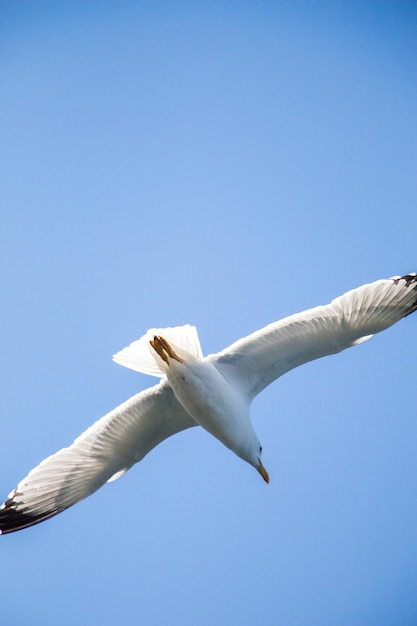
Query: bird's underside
[125, 435]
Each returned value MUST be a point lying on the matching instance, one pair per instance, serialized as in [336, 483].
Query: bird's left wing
[103, 452]
[255, 361]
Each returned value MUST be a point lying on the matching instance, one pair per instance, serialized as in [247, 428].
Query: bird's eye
[260, 449]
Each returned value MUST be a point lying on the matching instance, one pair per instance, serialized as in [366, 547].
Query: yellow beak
[263, 471]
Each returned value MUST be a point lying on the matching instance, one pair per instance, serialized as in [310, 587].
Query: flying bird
[214, 392]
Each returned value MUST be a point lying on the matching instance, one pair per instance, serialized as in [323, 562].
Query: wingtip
[411, 281]
[408, 278]
[11, 519]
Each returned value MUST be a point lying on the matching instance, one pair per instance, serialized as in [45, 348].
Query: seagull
[214, 392]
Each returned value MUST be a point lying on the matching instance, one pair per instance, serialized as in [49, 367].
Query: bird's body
[213, 402]
[214, 392]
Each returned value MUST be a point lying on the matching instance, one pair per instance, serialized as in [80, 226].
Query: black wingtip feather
[11, 519]
[410, 282]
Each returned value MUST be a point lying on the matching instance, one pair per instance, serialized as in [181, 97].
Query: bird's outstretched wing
[103, 452]
[256, 360]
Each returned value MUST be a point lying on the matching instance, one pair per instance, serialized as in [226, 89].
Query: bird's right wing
[103, 452]
[255, 361]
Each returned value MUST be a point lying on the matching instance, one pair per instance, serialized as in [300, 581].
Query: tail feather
[140, 356]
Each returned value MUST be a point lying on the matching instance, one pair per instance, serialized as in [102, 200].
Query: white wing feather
[103, 452]
[255, 361]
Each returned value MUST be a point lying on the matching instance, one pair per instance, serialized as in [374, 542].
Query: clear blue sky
[223, 164]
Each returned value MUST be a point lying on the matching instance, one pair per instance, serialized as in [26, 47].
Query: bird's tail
[140, 356]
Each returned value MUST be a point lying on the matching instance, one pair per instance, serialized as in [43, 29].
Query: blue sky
[223, 164]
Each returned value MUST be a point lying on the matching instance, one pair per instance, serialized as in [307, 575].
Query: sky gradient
[222, 164]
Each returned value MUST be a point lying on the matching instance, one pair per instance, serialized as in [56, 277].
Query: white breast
[211, 401]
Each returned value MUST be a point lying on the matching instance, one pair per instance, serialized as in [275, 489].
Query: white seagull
[214, 392]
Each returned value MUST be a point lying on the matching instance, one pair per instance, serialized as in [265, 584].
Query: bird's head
[255, 459]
